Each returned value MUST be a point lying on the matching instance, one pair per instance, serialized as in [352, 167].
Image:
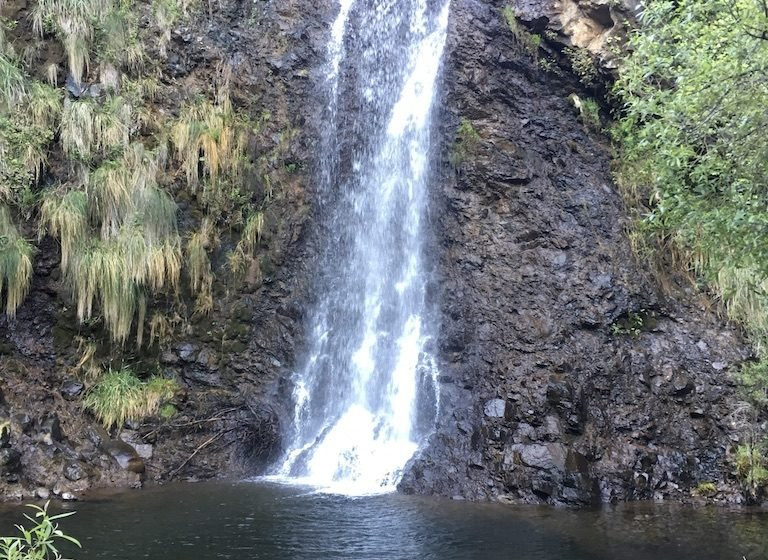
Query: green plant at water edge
[119, 396]
[115, 398]
[39, 541]
[705, 489]
[467, 140]
[692, 146]
[751, 465]
[15, 264]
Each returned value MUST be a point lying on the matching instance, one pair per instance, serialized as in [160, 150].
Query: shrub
[66, 217]
[692, 145]
[38, 542]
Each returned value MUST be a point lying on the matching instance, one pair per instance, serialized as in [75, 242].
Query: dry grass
[199, 265]
[242, 257]
[87, 364]
[210, 143]
[66, 217]
[162, 327]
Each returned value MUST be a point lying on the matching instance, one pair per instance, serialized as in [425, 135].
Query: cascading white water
[366, 396]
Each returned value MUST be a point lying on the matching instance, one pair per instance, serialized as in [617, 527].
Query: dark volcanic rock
[534, 269]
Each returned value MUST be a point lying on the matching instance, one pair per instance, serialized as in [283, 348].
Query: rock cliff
[567, 374]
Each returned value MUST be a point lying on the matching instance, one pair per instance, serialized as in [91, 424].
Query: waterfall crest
[366, 394]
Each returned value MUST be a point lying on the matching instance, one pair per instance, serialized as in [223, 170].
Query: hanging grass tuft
[242, 257]
[74, 21]
[210, 142]
[115, 273]
[15, 264]
[88, 127]
[65, 217]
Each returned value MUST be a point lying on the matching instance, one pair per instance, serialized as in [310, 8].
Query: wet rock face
[567, 377]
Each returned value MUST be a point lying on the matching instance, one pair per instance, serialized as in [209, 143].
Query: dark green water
[260, 521]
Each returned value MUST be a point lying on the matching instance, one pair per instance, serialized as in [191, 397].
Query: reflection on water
[259, 521]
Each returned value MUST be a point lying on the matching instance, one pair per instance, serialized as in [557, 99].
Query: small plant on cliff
[530, 42]
[467, 140]
[631, 325]
[705, 489]
[39, 541]
[589, 111]
[583, 65]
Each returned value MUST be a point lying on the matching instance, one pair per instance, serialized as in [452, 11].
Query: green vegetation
[705, 489]
[38, 542]
[692, 146]
[528, 41]
[589, 111]
[118, 159]
[632, 324]
[467, 140]
[119, 395]
[751, 465]
[583, 65]
[15, 264]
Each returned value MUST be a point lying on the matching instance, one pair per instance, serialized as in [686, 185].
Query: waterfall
[366, 394]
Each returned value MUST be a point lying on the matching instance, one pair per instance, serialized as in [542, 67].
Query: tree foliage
[692, 143]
